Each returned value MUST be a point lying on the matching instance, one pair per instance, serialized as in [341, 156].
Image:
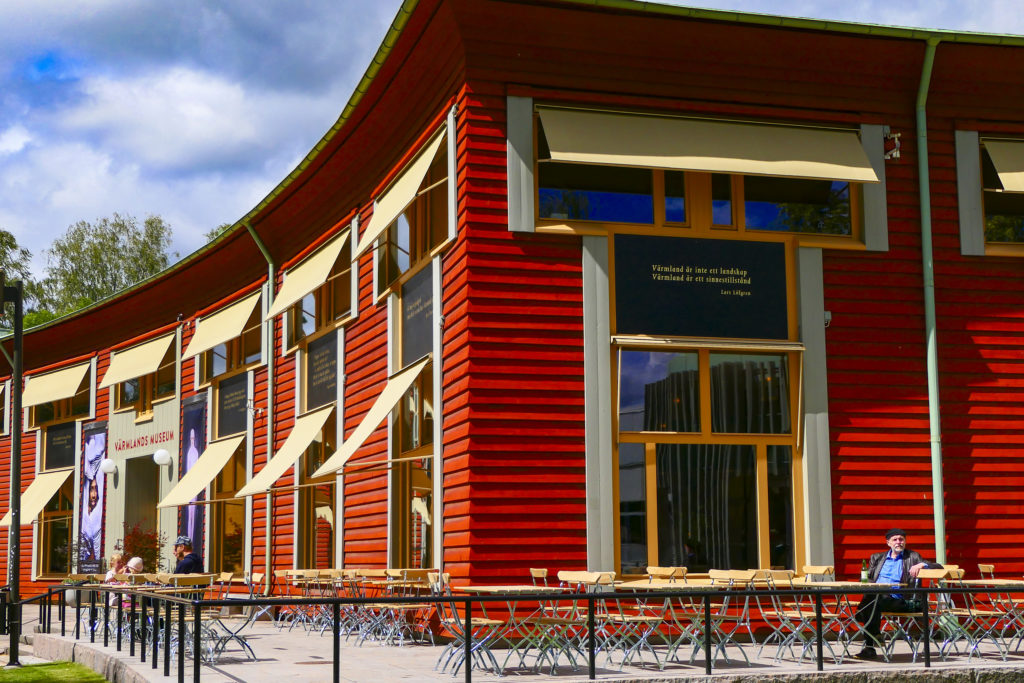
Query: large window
[413, 426]
[326, 306]
[74, 408]
[418, 230]
[227, 517]
[1004, 211]
[140, 393]
[317, 502]
[235, 354]
[55, 532]
[705, 464]
[698, 176]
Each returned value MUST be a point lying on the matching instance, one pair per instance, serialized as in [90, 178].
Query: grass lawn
[54, 672]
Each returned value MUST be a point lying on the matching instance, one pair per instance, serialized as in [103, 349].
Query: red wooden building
[577, 284]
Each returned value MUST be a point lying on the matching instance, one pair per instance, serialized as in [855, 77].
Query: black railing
[147, 606]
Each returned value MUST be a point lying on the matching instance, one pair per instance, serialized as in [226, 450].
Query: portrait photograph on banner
[192, 519]
[91, 507]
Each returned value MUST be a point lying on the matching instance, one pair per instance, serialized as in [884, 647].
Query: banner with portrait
[91, 500]
[192, 518]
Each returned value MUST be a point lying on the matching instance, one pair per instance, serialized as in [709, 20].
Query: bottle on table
[863, 571]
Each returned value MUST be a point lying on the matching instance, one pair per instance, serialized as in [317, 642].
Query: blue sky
[195, 110]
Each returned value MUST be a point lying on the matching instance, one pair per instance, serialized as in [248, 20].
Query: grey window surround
[520, 180]
[969, 193]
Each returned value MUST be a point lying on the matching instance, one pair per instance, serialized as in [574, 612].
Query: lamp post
[13, 293]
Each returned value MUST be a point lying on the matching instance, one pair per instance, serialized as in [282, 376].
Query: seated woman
[117, 566]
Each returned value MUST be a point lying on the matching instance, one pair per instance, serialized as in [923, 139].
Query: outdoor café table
[999, 599]
[519, 633]
[837, 611]
[684, 622]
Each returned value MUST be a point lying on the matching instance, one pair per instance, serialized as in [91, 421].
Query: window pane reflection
[797, 205]
[659, 391]
[632, 507]
[721, 199]
[675, 196]
[750, 393]
[780, 506]
[596, 193]
[707, 506]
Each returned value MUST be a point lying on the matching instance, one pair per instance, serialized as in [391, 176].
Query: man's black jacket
[910, 558]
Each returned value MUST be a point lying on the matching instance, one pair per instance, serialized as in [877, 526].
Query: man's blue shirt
[891, 571]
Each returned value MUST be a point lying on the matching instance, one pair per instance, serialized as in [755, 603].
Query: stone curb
[55, 648]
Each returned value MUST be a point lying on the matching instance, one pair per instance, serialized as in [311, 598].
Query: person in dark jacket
[188, 561]
[897, 565]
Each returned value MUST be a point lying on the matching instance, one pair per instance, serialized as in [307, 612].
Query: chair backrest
[668, 573]
[819, 572]
[539, 576]
[720, 575]
[987, 571]
[586, 579]
[257, 588]
[933, 574]
[193, 579]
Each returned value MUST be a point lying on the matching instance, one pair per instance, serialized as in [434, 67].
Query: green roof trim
[879, 30]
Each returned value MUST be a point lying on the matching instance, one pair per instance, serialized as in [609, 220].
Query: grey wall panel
[597, 405]
[874, 199]
[816, 447]
[968, 192]
[519, 122]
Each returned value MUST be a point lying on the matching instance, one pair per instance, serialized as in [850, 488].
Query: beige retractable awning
[137, 361]
[54, 386]
[589, 137]
[208, 466]
[1008, 158]
[309, 274]
[397, 385]
[400, 194]
[303, 432]
[225, 324]
[37, 495]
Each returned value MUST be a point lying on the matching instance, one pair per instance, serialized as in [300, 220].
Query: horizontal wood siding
[513, 391]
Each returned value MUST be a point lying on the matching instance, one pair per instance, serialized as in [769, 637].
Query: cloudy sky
[195, 109]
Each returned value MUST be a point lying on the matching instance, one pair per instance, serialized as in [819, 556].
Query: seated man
[897, 565]
[188, 561]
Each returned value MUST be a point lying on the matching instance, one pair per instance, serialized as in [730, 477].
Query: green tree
[95, 260]
[15, 264]
[211, 235]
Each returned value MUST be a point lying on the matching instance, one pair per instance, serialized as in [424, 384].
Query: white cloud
[14, 139]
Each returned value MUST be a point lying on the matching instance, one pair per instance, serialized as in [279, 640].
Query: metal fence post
[120, 618]
[92, 616]
[131, 628]
[707, 634]
[817, 627]
[167, 637]
[927, 631]
[337, 641]
[106, 619]
[468, 645]
[78, 614]
[197, 641]
[181, 643]
[142, 627]
[591, 638]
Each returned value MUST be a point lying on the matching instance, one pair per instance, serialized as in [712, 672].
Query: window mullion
[658, 187]
[763, 541]
[704, 370]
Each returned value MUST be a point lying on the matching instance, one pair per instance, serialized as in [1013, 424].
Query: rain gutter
[268, 327]
[928, 270]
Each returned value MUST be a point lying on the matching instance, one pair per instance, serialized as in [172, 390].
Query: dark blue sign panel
[232, 401]
[700, 288]
[322, 375]
[417, 316]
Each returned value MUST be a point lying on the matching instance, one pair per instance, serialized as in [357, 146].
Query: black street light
[13, 294]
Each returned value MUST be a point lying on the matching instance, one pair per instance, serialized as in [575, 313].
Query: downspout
[934, 426]
[268, 573]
